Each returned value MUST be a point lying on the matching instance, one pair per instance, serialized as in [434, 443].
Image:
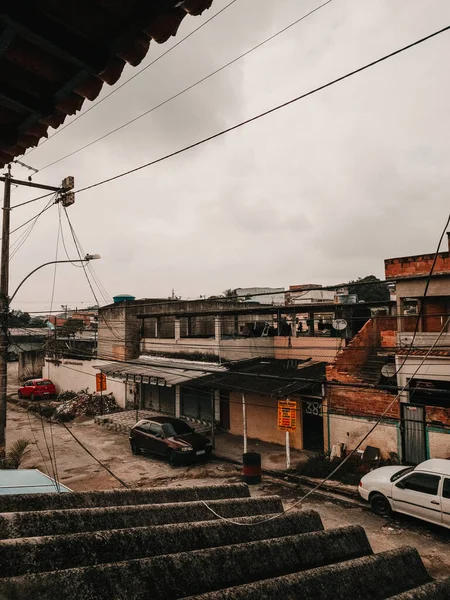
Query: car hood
[195, 440]
[382, 474]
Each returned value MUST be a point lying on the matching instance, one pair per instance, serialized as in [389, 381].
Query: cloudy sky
[318, 192]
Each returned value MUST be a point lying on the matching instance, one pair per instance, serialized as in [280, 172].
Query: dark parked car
[169, 437]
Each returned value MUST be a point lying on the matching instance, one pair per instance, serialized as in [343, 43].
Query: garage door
[196, 404]
[167, 400]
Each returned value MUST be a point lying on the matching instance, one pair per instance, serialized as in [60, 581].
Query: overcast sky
[319, 192]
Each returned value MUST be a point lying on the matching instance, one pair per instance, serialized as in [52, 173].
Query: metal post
[101, 392]
[4, 290]
[244, 422]
[288, 452]
[213, 406]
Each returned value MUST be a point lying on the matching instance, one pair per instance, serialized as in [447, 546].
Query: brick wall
[351, 358]
[388, 339]
[409, 266]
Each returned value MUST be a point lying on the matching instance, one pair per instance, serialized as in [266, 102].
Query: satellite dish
[339, 324]
[388, 370]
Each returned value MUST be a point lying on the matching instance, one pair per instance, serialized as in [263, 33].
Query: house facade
[406, 356]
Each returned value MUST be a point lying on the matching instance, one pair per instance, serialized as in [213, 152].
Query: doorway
[412, 427]
[225, 409]
[312, 419]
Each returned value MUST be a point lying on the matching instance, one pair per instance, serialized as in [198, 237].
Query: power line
[267, 112]
[427, 285]
[190, 87]
[341, 464]
[60, 129]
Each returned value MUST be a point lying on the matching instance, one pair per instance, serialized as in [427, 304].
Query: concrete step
[53, 553]
[25, 502]
[61, 522]
[193, 573]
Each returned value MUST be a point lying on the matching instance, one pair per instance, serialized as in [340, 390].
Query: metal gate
[413, 433]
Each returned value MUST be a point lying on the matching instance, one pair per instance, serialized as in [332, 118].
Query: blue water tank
[123, 297]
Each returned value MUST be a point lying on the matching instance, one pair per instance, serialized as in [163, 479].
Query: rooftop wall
[410, 266]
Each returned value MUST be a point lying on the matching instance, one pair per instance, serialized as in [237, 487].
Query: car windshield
[45, 382]
[399, 474]
[176, 428]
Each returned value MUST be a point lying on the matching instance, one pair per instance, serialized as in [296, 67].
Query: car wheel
[173, 459]
[19, 395]
[135, 448]
[380, 505]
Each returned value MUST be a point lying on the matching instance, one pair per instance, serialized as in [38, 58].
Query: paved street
[79, 471]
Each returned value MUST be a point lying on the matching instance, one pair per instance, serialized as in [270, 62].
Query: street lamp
[87, 258]
[4, 344]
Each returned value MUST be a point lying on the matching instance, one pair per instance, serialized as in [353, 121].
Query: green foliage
[17, 318]
[373, 292]
[17, 453]
[71, 327]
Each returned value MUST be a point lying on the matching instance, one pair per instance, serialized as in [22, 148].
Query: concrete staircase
[371, 369]
[168, 543]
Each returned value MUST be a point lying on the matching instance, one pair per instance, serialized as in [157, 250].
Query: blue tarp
[28, 481]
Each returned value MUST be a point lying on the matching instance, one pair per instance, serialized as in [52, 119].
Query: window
[176, 428]
[421, 482]
[446, 489]
[156, 430]
[45, 382]
[145, 427]
[401, 473]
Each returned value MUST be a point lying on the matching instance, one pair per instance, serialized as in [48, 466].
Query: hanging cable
[187, 89]
[119, 87]
[264, 113]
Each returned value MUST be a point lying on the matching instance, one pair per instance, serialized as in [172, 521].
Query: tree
[230, 294]
[17, 318]
[71, 327]
[373, 292]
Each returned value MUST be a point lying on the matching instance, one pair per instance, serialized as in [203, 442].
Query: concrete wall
[350, 430]
[119, 331]
[318, 348]
[262, 415]
[233, 349]
[80, 374]
[439, 443]
[433, 368]
[30, 364]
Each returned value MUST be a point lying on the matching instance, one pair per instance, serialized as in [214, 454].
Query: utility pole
[67, 198]
[4, 290]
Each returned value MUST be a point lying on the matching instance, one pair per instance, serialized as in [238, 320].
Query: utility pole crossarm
[40, 186]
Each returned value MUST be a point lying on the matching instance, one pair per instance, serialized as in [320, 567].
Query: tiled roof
[423, 352]
[55, 54]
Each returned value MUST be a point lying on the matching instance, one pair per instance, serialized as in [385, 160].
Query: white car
[422, 491]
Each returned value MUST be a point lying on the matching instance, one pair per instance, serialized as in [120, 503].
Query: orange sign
[100, 381]
[287, 415]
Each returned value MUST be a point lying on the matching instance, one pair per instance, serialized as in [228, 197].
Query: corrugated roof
[169, 372]
[423, 352]
[56, 54]
[256, 378]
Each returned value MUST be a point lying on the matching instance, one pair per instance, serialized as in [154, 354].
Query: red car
[37, 388]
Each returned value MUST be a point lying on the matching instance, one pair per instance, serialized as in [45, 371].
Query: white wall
[439, 444]
[80, 374]
[350, 430]
[433, 368]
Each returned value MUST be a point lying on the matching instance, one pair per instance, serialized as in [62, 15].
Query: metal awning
[170, 373]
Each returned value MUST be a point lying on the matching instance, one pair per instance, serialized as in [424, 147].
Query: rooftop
[55, 55]
[167, 542]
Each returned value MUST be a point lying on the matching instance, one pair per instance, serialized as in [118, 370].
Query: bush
[320, 467]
